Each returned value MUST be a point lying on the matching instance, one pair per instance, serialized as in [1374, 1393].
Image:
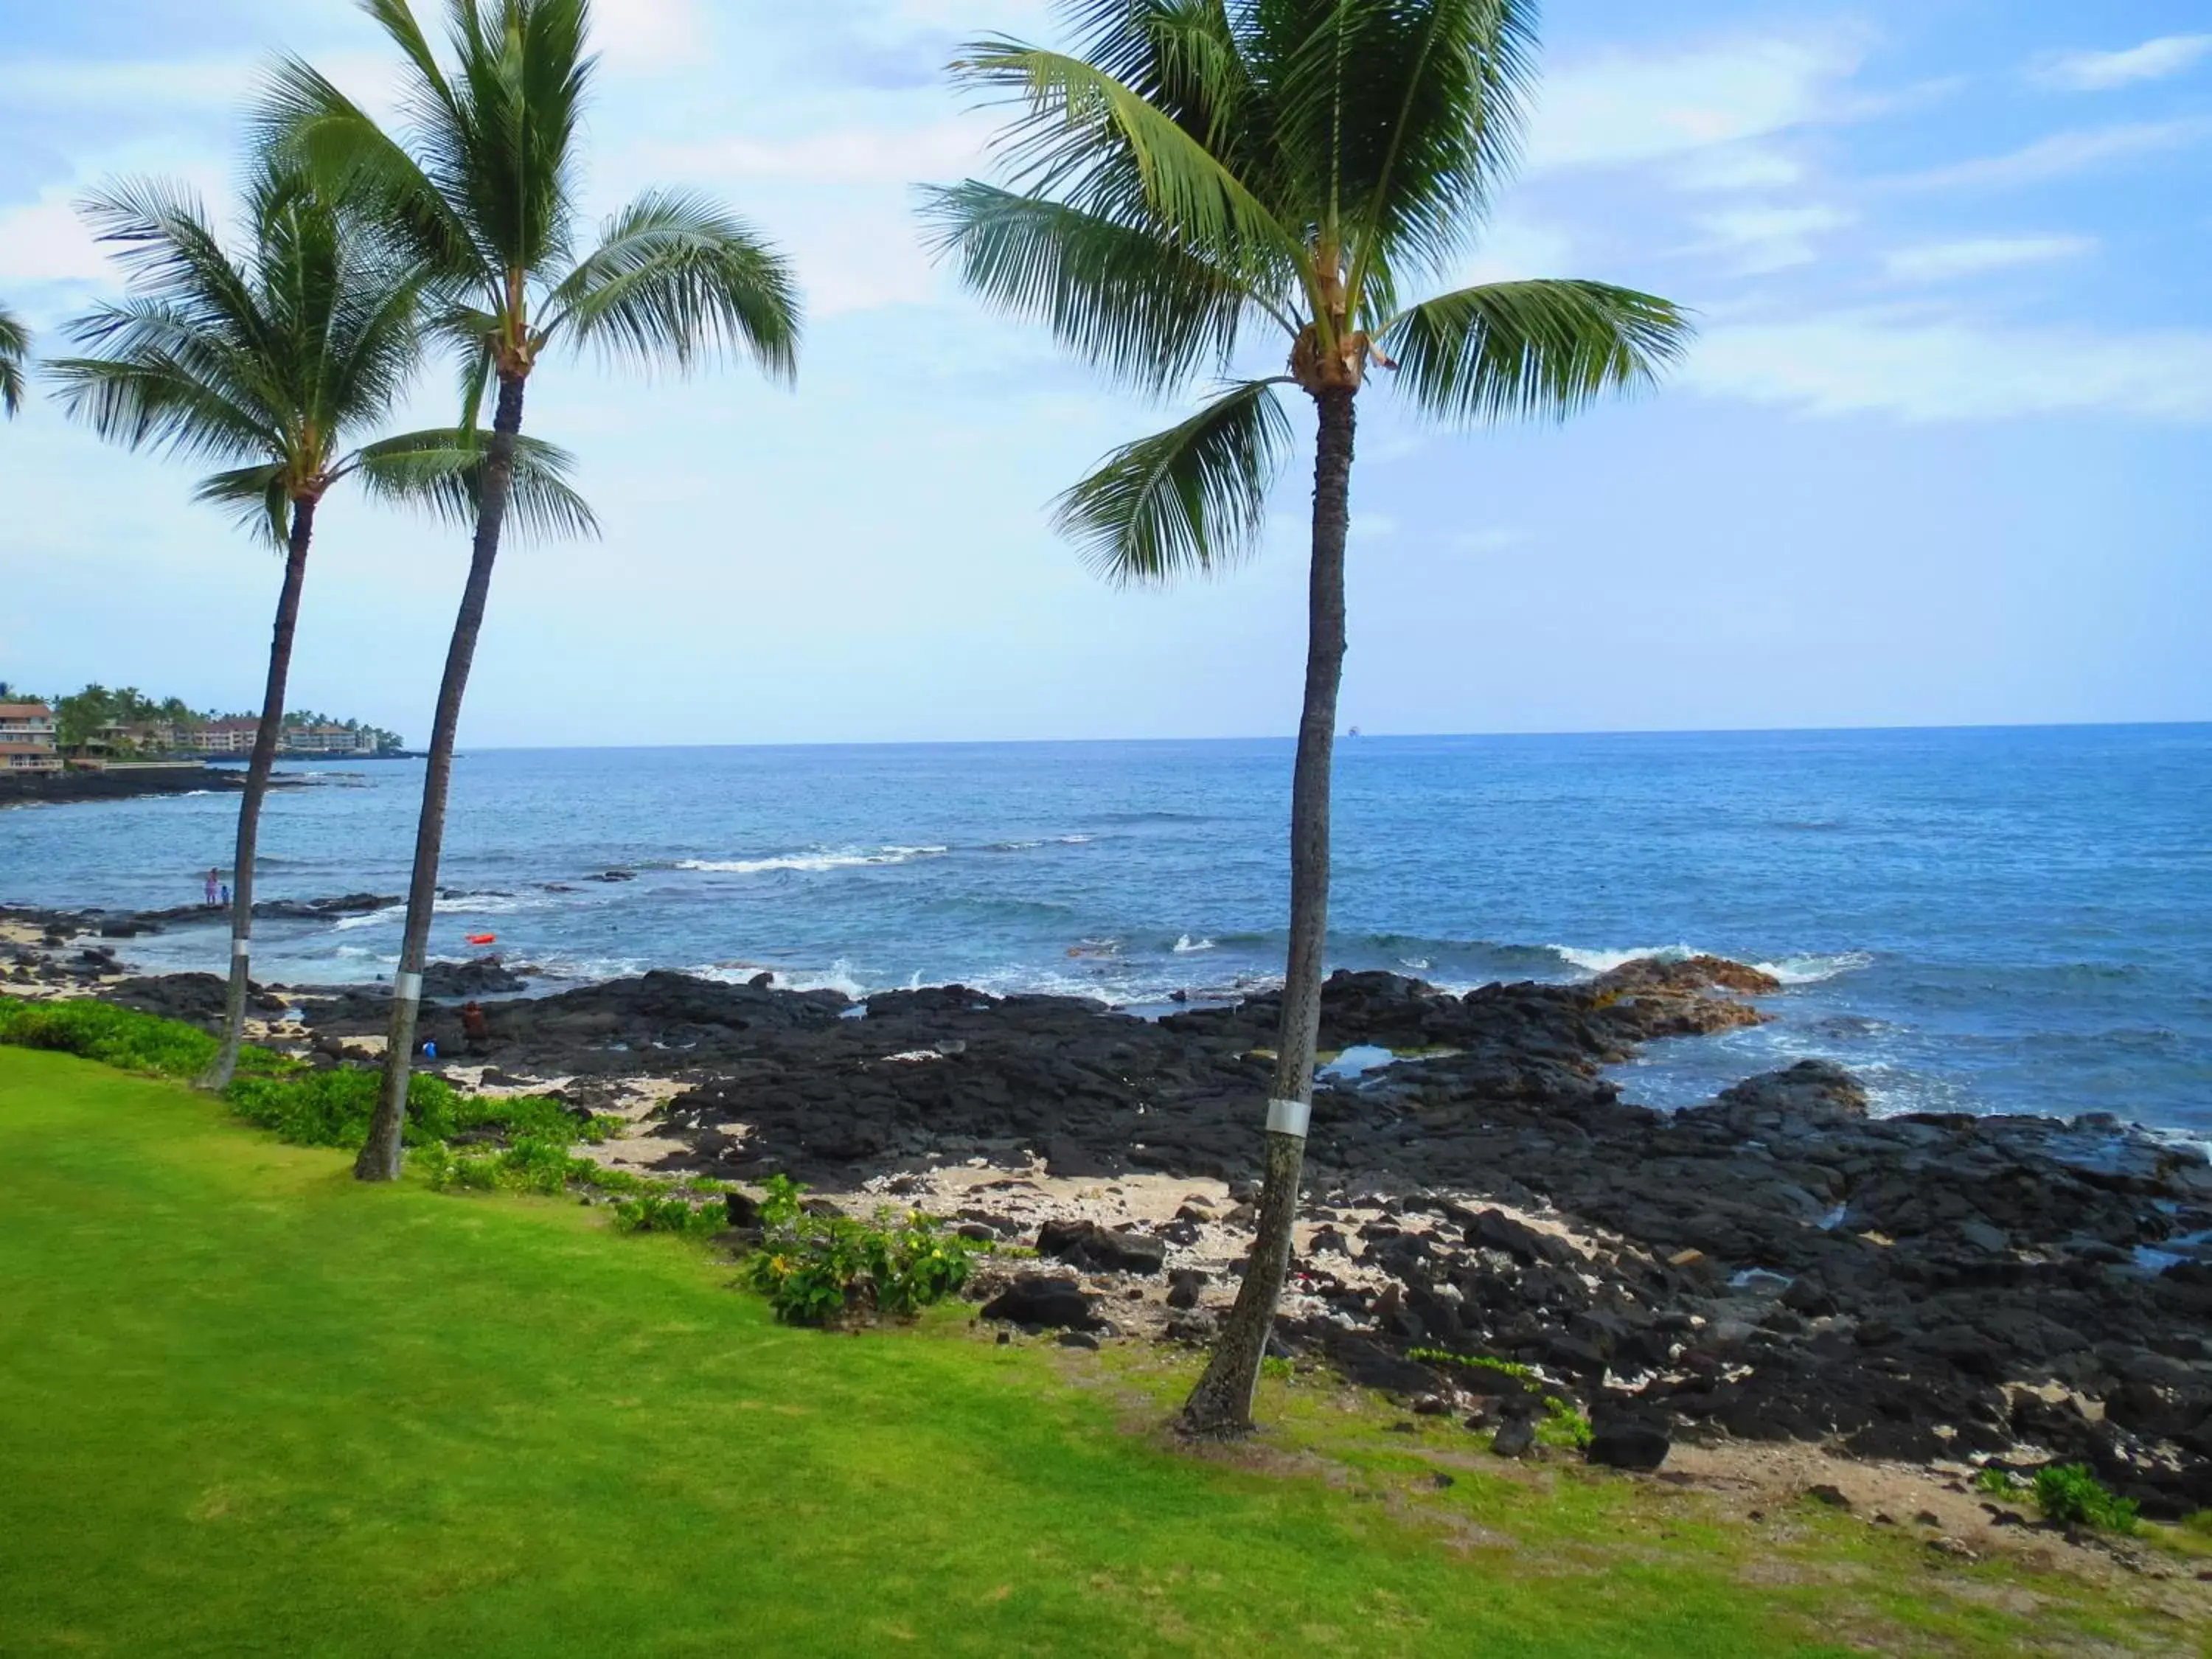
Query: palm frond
[145, 396]
[1517, 350]
[15, 350]
[1184, 501]
[674, 277]
[1400, 117]
[1126, 298]
[301, 115]
[258, 497]
[1087, 139]
[442, 472]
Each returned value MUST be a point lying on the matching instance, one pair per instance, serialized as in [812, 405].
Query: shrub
[333, 1108]
[1563, 1425]
[817, 1269]
[2069, 1493]
[1480, 1362]
[655, 1212]
[122, 1037]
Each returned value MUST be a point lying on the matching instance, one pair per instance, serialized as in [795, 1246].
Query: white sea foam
[1812, 969]
[1071, 841]
[848, 859]
[370, 918]
[840, 976]
[1189, 947]
[1604, 962]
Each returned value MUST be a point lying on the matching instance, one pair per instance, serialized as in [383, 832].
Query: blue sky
[1939, 456]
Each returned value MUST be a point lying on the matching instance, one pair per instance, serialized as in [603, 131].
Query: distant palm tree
[282, 361]
[14, 348]
[1196, 171]
[483, 194]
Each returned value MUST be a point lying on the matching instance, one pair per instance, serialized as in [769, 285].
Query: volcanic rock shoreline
[1773, 1265]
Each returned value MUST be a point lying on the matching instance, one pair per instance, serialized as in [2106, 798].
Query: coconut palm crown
[1195, 178]
[14, 347]
[285, 361]
[480, 186]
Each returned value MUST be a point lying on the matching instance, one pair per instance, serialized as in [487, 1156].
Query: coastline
[1772, 1266]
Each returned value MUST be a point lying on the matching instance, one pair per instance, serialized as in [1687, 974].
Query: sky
[1939, 456]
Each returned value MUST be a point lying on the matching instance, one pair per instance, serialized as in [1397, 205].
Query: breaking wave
[846, 859]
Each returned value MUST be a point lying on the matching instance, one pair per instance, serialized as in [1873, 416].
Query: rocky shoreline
[1775, 1264]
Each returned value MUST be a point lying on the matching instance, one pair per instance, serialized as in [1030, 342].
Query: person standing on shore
[213, 880]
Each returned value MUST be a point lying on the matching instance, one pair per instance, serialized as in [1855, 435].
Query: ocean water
[2012, 919]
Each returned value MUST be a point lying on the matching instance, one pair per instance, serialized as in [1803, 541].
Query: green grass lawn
[251, 1406]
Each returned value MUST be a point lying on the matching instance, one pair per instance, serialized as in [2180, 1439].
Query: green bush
[2069, 1493]
[1563, 1425]
[1480, 1362]
[815, 1270]
[122, 1037]
[333, 1108]
[659, 1212]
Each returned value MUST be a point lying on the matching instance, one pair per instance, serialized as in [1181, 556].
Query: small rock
[1829, 1495]
[1035, 1299]
[1077, 1339]
[1182, 1287]
[1441, 1481]
[1928, 1518]
[1629, 1446]
[1516, 1439]
[1102, 1249]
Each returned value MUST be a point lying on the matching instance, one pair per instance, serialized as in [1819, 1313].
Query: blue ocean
[2006, 919]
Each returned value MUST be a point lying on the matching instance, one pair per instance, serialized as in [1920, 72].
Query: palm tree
[484, 195]
[1195, 171]
[14, 347]
[280, 362]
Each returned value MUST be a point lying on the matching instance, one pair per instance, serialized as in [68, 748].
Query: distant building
[326, 740]
[224, 736]
[26, 737]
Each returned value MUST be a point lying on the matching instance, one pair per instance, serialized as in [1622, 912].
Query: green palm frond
[302, 116]
[15, 350]
[1187, 499]
[1128, 299]
[673, 277]
[269, 361]
[1531, 349]
[259, 497]
[442, 472]
[1086, 138]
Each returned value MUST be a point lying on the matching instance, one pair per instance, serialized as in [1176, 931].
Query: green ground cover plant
[257, 1408]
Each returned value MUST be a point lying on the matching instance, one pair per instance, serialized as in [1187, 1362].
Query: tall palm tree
[14, 348]
[280, 361]
[483, 191]
[1197, 172]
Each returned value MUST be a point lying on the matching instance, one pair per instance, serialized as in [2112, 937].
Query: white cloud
[1939, 262]
[1922, 369]
[1738, 167]
[1769, 239]
[1514, 249]
[1622, 108]
[46, 242]
[647, 34]
[2065, 153]
[125, 84]
[847, 156]
[2101, 71]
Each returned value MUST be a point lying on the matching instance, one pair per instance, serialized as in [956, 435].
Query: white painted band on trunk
[241, 947]
[408, 988]
[1289, 1117]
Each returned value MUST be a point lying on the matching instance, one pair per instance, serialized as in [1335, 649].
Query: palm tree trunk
[217, 1076]
[379, 1157]
[1221, 1404]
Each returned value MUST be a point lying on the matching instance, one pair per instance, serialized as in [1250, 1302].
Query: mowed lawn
[247, 1405]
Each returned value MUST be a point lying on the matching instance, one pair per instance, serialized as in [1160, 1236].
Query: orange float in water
[484, 938]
